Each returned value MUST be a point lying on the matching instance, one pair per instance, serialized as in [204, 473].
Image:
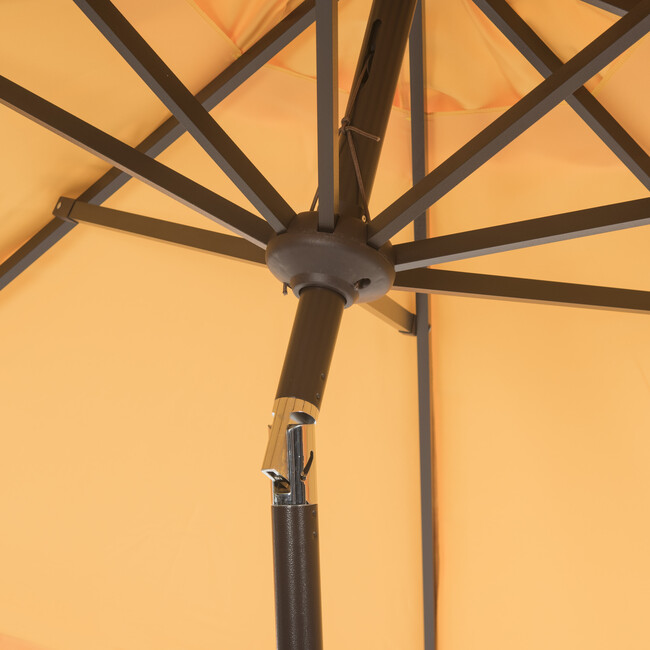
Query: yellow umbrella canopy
[137, 376]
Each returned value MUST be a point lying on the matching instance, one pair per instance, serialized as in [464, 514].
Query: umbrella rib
[522, 234]
[548, 94]
[210, 96]
[419, 141]
[166, 134]
[69, 212]
[137, 164]
[167, 231]
[618, 7]
[189, 111]
[500, 287]
[327, 103]
[520, 34]
[31, 250]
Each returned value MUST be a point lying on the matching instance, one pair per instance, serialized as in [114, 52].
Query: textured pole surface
[297, 577]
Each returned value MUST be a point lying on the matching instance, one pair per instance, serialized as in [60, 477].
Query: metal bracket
[287, 412]
[63, 209]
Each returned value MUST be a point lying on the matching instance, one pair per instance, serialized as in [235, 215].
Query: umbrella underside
[110, 507]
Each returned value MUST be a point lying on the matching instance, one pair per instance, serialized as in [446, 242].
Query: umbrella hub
[341, 260]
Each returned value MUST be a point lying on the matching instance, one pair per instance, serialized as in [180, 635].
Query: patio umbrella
[138, 377]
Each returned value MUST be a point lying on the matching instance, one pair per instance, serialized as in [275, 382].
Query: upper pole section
[368, 110]
[311, 346]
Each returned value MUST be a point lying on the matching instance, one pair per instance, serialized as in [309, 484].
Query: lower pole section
[297, 577]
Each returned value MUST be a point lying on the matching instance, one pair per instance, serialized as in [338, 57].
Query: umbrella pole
[290, 462]
[297, 575]
[290, 456]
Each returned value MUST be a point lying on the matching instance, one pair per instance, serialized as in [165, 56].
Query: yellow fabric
[137, 378]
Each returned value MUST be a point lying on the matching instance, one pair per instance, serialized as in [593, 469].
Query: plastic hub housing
[341, 260]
